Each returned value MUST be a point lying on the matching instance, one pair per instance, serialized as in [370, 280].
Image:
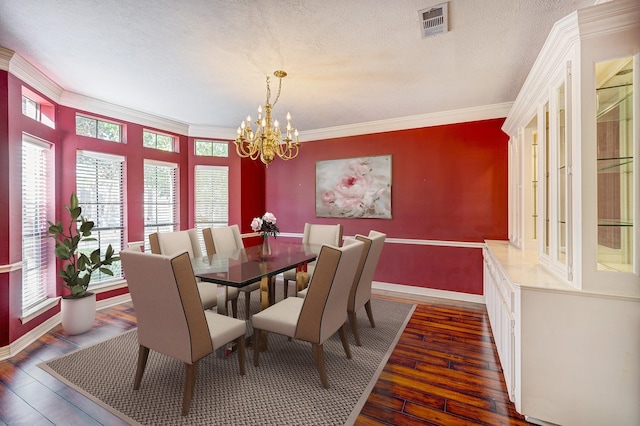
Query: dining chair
[314, 234]
[180, 328]
[360, 294]
[319, 315]
[168, 243]
[226, 239]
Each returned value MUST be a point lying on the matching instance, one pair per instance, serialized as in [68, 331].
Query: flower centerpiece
[266, 226]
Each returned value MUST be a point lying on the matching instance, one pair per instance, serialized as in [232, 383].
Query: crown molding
[410, 122]
[563, 44]
[546, 69]
[209, 132]
[19, 67]
[96, 106]
[15, 64]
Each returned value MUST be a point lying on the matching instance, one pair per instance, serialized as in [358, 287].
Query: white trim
[100, 155]
[222, 134]
[23, 341]
[410, 122]
[439, 243]
[160, 163]
[30, 337]
[10, 267]
[112, 301]
[417, 292]
[19, 67]
[39, 309]
[117, 112]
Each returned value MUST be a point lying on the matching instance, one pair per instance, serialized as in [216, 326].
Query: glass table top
[246, 266]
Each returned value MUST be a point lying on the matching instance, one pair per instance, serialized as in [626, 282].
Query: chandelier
[268, 139]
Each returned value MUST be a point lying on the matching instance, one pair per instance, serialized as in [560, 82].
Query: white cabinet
[569, 357]
[499, 298]
[575, 149]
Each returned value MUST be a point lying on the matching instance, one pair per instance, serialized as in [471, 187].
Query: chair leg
[143, 355]
[234, 307]
[190, 375]
[345, 341]
[247, 304]
[353, 322]
[318, 357]
[367, 307]
[240, 341]
[285, 287]
[256, 347]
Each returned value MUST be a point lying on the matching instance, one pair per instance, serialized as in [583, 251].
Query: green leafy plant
[78, 267]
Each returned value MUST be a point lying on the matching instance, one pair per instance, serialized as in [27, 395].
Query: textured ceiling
[204, 62]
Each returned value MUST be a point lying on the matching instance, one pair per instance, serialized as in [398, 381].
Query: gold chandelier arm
[269, 140]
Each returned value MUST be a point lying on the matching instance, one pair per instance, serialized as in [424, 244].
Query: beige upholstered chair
[314, 234]
[169, 243]
[226, 239]
[361, 290]
[170, 317]
[323, 312]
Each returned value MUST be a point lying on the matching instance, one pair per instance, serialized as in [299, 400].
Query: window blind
[99, 187]
[211, 197]
[160, 199]
[35, 212]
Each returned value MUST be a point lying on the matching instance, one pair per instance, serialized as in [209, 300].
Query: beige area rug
[284, 390]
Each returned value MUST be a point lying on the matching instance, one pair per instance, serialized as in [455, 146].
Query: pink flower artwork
[354, 187]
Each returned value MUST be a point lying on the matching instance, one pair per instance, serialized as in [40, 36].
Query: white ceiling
[204, 62]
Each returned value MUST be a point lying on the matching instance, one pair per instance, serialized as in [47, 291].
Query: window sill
[39, 309]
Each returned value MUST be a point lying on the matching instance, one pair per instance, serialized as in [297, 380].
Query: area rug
[284, 390]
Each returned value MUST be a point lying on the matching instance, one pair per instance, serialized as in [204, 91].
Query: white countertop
[524, 269]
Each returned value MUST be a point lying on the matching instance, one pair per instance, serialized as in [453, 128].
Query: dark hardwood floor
[444, 371]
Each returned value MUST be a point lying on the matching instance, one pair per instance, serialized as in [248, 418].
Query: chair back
[324, 309]
[168, 308]
[322, 234]
[224, 239]
[169, 243]
[361, 290]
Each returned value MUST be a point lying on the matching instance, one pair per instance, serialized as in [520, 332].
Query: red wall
[65, 145]
[448, 183]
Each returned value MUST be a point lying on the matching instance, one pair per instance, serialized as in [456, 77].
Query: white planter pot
[78, 314]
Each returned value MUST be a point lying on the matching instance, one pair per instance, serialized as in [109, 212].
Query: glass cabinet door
[615, 164]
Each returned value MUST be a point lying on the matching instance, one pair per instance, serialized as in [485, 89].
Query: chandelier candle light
[267, 141]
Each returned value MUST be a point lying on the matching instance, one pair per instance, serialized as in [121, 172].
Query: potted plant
[78, 308]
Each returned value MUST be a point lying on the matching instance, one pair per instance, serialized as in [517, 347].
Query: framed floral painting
[354, 187]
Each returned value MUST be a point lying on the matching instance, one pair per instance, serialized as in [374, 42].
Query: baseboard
[30, 337]
[33, 335]
[399, 290]
[413, 292]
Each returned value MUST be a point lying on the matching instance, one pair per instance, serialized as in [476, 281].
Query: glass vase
[265, 251]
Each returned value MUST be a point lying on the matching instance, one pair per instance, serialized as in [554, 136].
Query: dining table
[242, 267]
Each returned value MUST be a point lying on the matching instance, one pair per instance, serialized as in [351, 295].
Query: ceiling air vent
[434, 20]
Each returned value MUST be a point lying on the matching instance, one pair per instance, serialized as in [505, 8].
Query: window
[212, 197]
[211, 148]
[94, 128]
[160, 189]
[37, 108]
[99, 187]
[30, 108]
[36, 246]
[158, 141]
